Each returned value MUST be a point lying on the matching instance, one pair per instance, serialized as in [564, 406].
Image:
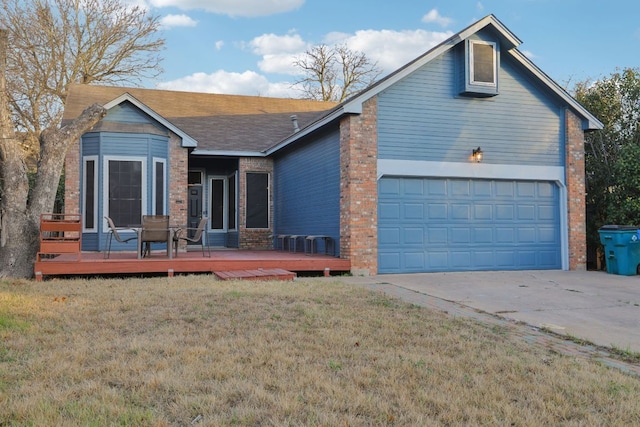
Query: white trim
[155, 161]
[469, 170]
[472, 74]
[96, 217]
[187, 141]
[225, 203]
[105, 183]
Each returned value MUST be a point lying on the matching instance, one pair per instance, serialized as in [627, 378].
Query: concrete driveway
[601, 308]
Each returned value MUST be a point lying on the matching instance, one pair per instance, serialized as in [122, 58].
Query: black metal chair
[198, 236]
[113, 232]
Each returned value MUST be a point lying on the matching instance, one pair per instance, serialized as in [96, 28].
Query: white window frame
[85, 160]
[472, 74]
[154, 184]
[105, 182]
[225, 203]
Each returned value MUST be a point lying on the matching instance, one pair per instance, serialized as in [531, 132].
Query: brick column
[576, 204]
[359, 189]
[72, 179]
[253, 238]
[178, 180]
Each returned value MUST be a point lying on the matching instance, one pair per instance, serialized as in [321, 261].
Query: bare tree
[335, 73]
[47, 45]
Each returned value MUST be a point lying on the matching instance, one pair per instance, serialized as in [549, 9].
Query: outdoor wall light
[477, 154]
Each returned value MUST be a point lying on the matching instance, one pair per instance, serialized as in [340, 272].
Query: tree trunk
[20, 222]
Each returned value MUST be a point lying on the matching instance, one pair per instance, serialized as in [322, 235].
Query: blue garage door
[439, 224]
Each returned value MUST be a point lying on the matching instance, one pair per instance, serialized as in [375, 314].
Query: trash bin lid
[618, 227]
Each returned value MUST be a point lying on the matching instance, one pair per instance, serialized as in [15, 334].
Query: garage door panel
[437, 211]
[389, 261]
[483, 212]
[433, 224]
[437, 235]
[461, 235]
[460, 211]
[389, 211]
[413, 236]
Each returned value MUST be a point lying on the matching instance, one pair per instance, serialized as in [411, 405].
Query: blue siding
[137, 145]
[423, 118]
[307, 188]
[130, 114]
[439, 224]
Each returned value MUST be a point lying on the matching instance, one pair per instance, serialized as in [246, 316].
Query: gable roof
[214, 123]
[508, 40]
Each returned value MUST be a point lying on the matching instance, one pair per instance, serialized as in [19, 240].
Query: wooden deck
[94, 263]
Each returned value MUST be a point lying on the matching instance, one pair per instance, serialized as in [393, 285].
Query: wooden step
[259, 274]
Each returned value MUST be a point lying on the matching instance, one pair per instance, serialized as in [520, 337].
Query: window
[481, 68]
[217, 204]
[231, 179]
[124, 191]
[90, 193]
[159, 186]
[223, 203]
[483, 59]
[257, 200]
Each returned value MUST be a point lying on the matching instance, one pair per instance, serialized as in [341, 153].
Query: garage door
[443, 224]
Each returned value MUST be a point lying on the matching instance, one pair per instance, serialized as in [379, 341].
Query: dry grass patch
[164, 352]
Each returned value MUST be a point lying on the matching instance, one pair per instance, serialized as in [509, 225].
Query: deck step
[259, 274]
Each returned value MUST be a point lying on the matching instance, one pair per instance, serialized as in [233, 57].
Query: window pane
[125, 192]
[159, 185]
[217, 204]
[483, 66]
[90, 194]
[232, 202]
[257, 200]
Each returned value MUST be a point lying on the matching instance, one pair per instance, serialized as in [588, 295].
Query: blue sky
[247, 46]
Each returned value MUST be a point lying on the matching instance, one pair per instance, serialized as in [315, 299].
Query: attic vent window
[481, 68]
[483, 63]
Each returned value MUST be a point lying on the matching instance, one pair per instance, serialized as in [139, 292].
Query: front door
[195, 208]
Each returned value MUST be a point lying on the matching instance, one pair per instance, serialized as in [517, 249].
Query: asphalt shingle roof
[216, 122]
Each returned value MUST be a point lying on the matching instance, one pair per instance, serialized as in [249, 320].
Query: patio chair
[198, 235]
[113, 232]
[155, 229]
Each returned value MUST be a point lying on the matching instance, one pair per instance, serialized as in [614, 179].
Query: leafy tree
[612, 154]
[46, 46]
[334, 73]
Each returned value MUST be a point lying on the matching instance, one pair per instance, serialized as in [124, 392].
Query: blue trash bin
[621, 248]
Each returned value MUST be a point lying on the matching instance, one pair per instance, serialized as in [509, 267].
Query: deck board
[94, 263]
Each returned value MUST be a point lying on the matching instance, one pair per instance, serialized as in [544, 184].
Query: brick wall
[178, 180]
[359, 190]
[252, 238]
[72, 179]
[576, 204]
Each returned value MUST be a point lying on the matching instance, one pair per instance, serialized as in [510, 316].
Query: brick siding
[254, 238]
[359, 189]
[576, 204]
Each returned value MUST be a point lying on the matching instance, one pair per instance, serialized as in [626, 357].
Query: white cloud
[246, 8]
[434, 16]
[246, 83]
[278, 52]
[390, 49]
[528, 54]
[219, 44]
[171, 21]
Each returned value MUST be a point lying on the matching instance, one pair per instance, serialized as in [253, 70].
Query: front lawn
[191, 350]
